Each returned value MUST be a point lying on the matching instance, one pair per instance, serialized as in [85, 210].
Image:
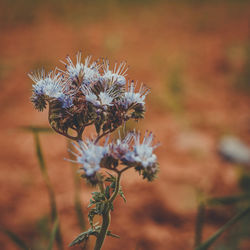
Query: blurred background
[195, 57]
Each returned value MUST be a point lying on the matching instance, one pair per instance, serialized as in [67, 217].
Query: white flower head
[143, 152]
[52, 86]
[116, 76]
[85, 73]
[90, 71]
[90, 96]
[108, 95]
[74, 71]
[132, 98]
[90, 155]
[121, 147]
[104, 98]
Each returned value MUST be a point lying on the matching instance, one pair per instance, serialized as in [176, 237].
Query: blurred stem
[214, 237]
[106, 217]
[199, 223]
[49, 187]
[14, 238]
[77, 200]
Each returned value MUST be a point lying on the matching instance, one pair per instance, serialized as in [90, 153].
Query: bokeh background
[195, 57]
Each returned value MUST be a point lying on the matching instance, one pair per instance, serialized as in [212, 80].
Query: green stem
[54, 215]
[199, 224]
[77, 200]
[214, 237]
[106, 218]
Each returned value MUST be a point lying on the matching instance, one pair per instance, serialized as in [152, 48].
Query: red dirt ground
[204, 45]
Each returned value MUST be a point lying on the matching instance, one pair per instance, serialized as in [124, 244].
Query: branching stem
[106, 218]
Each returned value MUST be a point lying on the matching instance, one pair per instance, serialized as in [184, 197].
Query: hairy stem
[106, 217]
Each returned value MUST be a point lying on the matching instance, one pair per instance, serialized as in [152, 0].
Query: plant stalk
[199, 224]
[106, 217]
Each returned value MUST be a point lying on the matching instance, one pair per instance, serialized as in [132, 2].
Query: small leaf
[122, 194]
[107, 193]
[111, 207]
[91, 216]
[112, 185]
[79, 239]
[83, 237]
[113, 235]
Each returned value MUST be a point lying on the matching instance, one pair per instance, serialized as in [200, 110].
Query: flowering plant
[90, 93]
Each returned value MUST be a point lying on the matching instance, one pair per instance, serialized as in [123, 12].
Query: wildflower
[117, 76]
[90, 96]
[108, 95]
[104, 98]
[66, 101]
[121, 147]
[142, 153]
[91, 73]
[46, 87]
[132, 98]
[90, 156]
[84, 73]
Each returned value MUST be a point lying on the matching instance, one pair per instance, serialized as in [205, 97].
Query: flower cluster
[87, 93]
[129, 151]
[90, 93]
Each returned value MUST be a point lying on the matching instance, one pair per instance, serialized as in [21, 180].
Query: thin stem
[106, 218]
[103, 134]
[101, 184]
[54, 215]
[199, 224]
[117, 187]
[74, 138]
[215, 236]
[124, 169]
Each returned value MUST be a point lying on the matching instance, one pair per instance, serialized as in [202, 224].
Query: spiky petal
[90, 155]
[115, 76]
[142, 153]
[132, 98]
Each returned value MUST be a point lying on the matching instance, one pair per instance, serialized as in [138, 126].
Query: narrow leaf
[51, 193]
[77, 200]
[228, 200]
[214, 237]
[14, 238]
[37, 129]
[113, 235]
[122, 195]
[83, 237]
[53, 234]
[200, 216]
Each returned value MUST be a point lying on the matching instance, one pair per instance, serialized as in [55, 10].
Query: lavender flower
[142, 153]
[104, 98]
[49, 86]
[90, 96]
[132, 98]
[120, 147]
[101, 100]
[83, 73]
[90, 156]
